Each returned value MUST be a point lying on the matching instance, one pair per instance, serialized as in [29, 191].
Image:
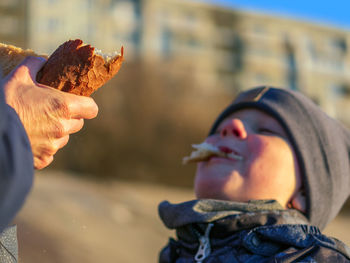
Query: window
[190, 20]
[259, 29]
[52, 24]
[338, 45]
[292, 71]
[124, 15]
[167, 38]
[311, 49]
[340, 90]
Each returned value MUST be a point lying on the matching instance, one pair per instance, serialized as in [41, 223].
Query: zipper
[204, 245]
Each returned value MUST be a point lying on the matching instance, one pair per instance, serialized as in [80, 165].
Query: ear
[299, 202]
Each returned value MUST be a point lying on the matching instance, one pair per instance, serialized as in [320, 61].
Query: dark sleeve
[314, 253]
[16, 163]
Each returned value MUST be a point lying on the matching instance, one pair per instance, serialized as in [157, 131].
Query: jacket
[211, 231]
[16, 176]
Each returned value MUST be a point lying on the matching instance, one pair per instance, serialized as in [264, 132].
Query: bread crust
[75, 68]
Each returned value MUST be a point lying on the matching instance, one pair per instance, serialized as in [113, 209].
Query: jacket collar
[191, 218]
[209, 210]
[262, 227]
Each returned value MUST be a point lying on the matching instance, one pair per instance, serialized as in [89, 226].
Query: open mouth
[205, 151]
[230, 153]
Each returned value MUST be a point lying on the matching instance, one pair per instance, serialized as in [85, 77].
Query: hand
[48, 115]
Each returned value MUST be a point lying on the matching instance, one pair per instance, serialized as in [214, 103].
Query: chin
[209, 190]
[214, 183]
[204, 191]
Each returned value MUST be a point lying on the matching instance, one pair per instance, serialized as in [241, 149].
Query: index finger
[81, 107]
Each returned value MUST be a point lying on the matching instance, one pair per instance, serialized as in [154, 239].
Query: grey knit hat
[322, 146]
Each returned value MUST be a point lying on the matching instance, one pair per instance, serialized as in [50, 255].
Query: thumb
[34, 64]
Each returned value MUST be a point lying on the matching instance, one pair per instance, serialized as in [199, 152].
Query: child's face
[268, 169]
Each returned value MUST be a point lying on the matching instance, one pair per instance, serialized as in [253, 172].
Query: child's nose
[234, 128]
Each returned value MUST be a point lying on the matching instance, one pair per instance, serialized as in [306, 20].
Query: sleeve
[16, 163]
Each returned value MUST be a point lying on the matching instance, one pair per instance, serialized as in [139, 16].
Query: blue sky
[334, 12]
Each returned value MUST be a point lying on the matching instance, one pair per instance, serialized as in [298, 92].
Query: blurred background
[184, 62]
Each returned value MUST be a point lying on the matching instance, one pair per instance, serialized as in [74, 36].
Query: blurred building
[13, 22]
[223, 50]
[302, 56]
[106, 24]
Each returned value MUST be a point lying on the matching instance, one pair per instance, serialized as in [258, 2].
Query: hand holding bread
[48, 115]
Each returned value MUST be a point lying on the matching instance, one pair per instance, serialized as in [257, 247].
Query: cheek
[257, 154]
[271, 169]
[269, 154]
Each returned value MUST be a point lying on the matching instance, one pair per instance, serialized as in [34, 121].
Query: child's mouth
[230, 154]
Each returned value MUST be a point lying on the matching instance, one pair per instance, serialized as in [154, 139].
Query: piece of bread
[11, 56]
[206, 150]
[73, 67]
[78, 68]
[202, 153]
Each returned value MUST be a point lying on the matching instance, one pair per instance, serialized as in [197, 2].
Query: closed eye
[267, 131]
[271, 132]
